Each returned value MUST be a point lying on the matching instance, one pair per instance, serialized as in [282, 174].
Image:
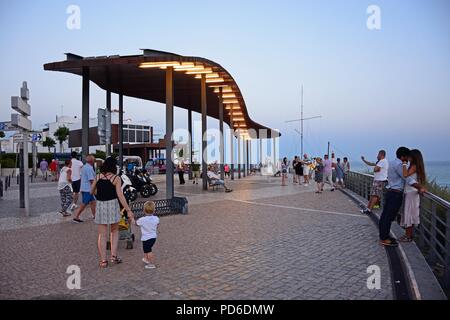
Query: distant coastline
[438, 170]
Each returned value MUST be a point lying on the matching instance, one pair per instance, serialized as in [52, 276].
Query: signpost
[20, 120]
[104, 126]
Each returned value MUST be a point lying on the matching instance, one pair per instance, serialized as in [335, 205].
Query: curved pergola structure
[191, 83]
[143, 76]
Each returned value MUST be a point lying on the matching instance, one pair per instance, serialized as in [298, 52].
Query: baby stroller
[125, 232]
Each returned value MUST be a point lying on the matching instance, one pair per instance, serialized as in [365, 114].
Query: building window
[132, 136]
[146, 136]
[125, 135]
[138, 136]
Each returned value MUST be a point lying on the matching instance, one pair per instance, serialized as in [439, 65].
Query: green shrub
[7, 163]
[438, 190]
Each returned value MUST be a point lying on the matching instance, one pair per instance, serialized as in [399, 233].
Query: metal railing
[433, 233]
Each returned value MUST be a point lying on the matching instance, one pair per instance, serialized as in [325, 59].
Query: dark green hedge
[8, 160]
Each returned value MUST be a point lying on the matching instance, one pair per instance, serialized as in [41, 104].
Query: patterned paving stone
[267, 242]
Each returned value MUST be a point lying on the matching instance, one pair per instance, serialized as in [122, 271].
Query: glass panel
[138, 136]
[132, 136]
[125, 135]
[146, 136]
[132, 126]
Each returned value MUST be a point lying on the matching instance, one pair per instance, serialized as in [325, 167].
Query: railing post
[420, 228]
[447, 251]
[432, 255]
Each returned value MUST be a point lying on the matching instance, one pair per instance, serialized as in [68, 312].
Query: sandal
[116, 260]
[103, 264]
[405, 239]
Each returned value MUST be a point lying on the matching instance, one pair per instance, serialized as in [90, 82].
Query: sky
[373, 88]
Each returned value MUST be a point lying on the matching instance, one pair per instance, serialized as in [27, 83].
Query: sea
[435, 170]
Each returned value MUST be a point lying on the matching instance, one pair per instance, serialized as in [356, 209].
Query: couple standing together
[404, 179]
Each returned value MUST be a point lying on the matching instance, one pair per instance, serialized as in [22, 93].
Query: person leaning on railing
[394, 194]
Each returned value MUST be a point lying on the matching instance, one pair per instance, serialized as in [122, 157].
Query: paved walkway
[262, 241]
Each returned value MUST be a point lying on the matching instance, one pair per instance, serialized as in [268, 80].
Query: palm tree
[61, 135]
[2, 135]
[49, 143]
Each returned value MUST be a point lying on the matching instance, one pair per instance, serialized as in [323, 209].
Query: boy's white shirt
[149, 227]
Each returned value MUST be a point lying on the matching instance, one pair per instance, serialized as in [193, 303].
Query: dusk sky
[373, 88]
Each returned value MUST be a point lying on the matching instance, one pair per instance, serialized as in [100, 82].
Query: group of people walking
[331, 171]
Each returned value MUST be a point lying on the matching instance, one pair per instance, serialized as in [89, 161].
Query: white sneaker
[145, 261]
[150, 266]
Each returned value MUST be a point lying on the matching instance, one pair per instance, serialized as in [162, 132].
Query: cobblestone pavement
[262, 241]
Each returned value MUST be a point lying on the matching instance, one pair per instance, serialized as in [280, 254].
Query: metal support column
[204, 124]
[260, 152]
[221, 147]
[120, 130]
[190, 142]
[244, 156]
[239, 154]
[231, 148]
[250, 156]
[169, 132]
[108, 109]
[274, 154]
[85, 114]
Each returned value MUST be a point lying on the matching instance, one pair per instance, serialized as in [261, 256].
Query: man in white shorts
[380, 178]
[306, 164]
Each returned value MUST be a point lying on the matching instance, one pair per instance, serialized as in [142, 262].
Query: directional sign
[7, 126]
[21, 106]
[36, 137]
[18, 137]
[20, 121]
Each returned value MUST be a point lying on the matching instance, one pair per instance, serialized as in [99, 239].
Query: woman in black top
[108, 190]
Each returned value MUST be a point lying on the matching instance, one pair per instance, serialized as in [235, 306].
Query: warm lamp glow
[159, 64]
[228, 95]
[214, 80]
[230, 101]
[208, 76]
[204, 70]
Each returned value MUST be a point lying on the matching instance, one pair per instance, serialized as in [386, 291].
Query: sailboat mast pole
[301, 128]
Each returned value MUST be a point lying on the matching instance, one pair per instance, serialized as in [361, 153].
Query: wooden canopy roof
[143, 76]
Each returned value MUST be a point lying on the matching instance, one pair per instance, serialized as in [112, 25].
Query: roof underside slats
[130, 76]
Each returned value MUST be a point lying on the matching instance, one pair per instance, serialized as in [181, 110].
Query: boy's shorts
[148, 244]
[87, 197]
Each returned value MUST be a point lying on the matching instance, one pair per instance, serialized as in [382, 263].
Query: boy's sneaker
[77, 220]
[145, 261]
[150, 266]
